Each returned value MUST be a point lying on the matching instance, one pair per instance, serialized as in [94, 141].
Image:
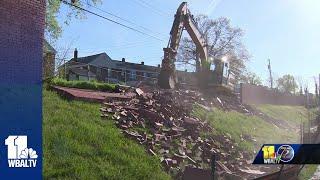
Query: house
[102, 68]
[48, 65]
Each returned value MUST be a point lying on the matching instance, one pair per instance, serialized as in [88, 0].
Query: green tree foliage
[287, 84]
[53, 28]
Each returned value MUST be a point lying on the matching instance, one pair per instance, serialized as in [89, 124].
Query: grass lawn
[292, 114]
[237, 124]
[79, 145]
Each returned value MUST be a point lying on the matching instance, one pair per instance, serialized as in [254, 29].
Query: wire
[125, 20]
[111, 20]
[125, 45]
[116, 47]
[149, 6]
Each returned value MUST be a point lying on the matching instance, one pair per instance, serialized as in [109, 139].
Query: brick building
[22, 25]
[21, 32]
[102, 68]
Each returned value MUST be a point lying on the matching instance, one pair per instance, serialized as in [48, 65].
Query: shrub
[83, 84]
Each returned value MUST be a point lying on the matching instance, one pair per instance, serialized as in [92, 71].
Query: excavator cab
[221, 72]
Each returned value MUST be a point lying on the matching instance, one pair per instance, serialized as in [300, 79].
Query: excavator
[167, 78]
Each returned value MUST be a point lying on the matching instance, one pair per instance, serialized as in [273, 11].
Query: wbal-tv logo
[19, 155]
[284, 154]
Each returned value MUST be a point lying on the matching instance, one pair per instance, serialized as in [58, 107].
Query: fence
[128, 78]
[252, 94]
[309, 130]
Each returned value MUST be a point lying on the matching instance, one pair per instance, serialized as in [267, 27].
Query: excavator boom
[183, 20]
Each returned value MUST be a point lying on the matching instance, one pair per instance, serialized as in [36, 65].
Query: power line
[125, 20]
[125, 45]
[149, 6]
[111, 20]
[128, 46]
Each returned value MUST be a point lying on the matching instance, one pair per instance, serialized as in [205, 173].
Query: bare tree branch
[222, 39]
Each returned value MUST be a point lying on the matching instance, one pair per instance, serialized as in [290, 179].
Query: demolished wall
[252, 94]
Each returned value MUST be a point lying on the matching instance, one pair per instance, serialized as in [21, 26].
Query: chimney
[159, 66]
[142, 63]
[75, 55]
[123, 60]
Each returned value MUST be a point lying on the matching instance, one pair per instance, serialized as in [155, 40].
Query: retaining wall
[252, 94]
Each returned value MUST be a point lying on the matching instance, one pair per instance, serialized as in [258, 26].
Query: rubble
[162, 121]
[252, 171]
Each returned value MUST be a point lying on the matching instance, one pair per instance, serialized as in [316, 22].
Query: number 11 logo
[19, 155]
[16, 144]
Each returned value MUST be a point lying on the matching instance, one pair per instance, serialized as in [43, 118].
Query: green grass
[237, 124]
[78, 144]
[84, 84]
[292, 114]
[308, 171]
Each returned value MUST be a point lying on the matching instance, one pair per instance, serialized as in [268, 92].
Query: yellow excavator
[167, 78]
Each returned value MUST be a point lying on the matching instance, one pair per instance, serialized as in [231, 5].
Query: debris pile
[162, 121]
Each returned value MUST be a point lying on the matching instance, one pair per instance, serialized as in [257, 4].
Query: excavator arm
[183, 20]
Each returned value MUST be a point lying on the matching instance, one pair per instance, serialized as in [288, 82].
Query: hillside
[294, 115]
[235, 134]
[78, 145]
[265, 125]
[250, 132]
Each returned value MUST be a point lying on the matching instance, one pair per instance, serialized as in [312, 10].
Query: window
[133, 75]
[98, 71]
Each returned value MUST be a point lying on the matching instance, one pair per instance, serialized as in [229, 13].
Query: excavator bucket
[167, 80]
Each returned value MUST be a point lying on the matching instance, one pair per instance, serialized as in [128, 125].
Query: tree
[251, 78]
[300, 83]
[287, 84]
[53, 29]
[222, 39]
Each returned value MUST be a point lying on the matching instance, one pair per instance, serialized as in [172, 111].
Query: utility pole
[270, 74]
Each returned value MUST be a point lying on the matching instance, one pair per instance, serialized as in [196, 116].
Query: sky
[285, 31]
